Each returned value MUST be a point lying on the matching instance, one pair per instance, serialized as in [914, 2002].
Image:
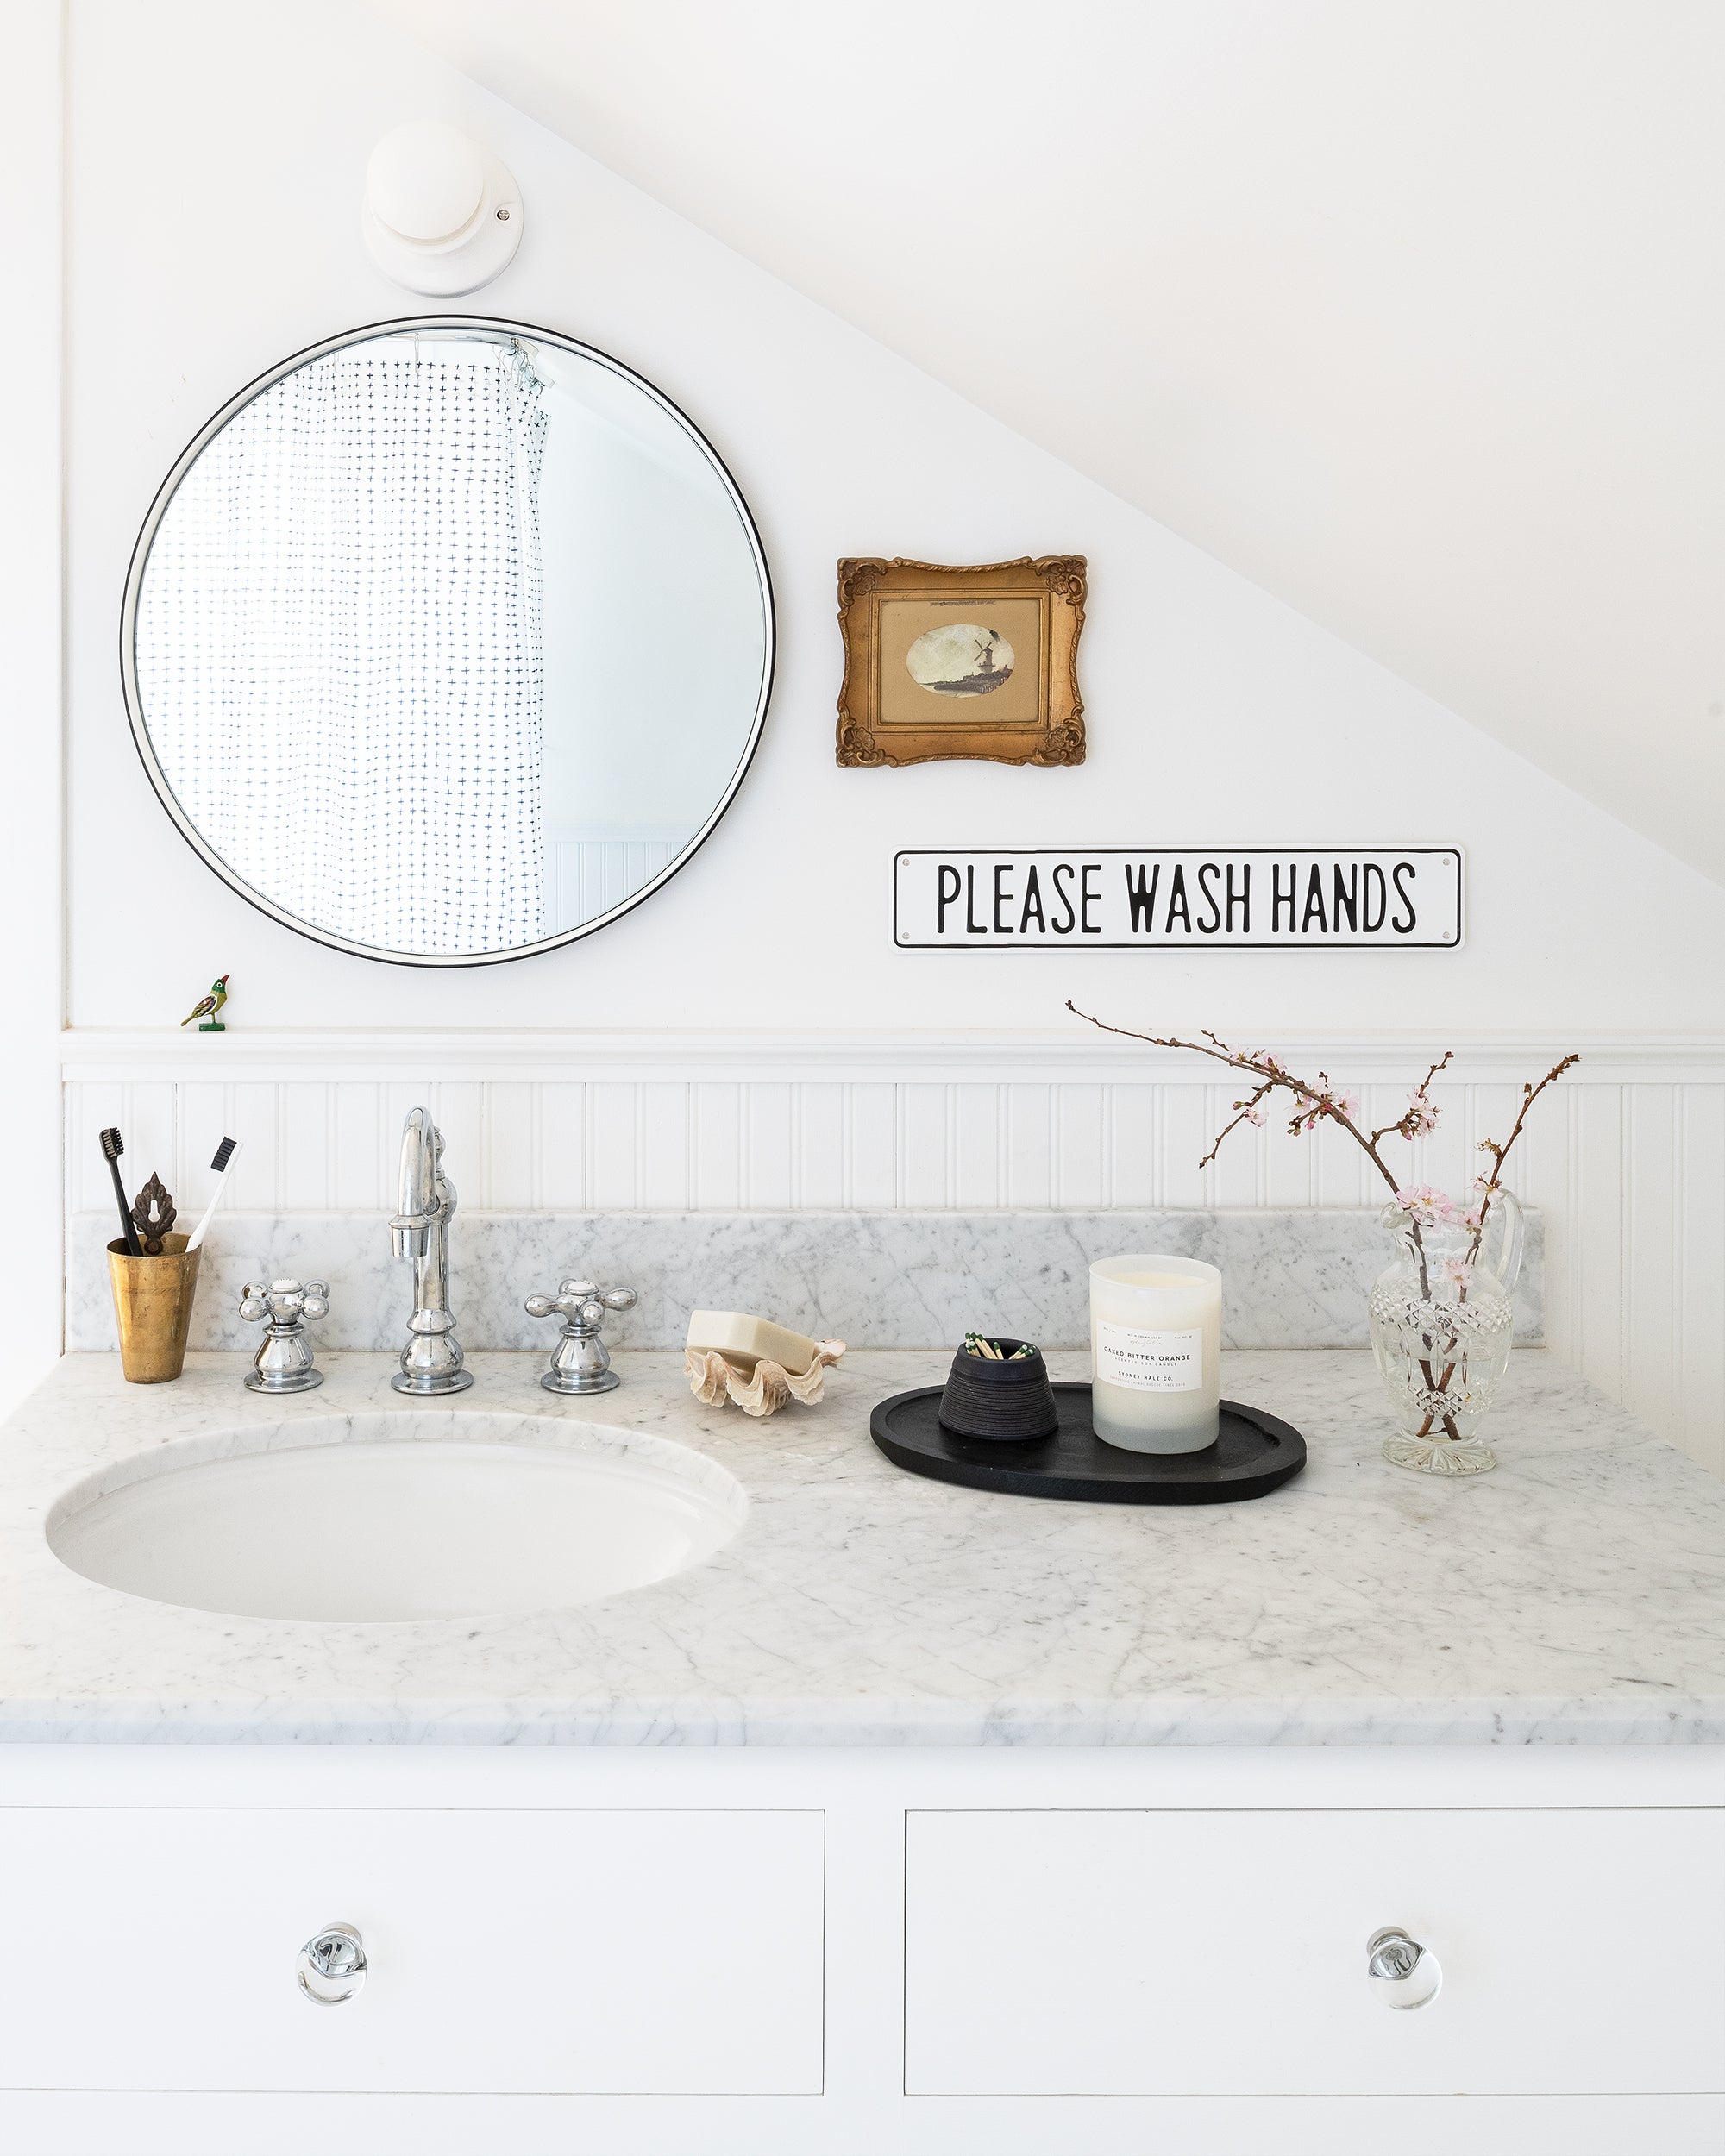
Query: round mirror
[448, 640]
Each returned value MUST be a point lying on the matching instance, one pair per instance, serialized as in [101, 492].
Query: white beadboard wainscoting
[586, 876]
[1625, 1158]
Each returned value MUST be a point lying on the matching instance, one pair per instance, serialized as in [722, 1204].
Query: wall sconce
[441, 214]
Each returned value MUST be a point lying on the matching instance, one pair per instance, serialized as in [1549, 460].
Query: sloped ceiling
[1411, 310]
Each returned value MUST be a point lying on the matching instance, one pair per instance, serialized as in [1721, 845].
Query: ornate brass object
[155, 1214]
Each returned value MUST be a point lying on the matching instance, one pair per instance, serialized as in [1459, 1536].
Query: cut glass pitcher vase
[1442, 1320]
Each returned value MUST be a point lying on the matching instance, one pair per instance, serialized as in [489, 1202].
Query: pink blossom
[1421, 1116]
[1310, 1114]
[1428, 1204]
[1458, 1271]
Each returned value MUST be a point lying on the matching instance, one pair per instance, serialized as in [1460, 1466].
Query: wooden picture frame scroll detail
[961, 662]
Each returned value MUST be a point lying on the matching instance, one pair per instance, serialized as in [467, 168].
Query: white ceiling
[1412, 311]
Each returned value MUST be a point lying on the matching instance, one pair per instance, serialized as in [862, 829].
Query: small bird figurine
[207, 1010]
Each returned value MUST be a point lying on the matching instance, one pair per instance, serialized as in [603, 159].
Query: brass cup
[152, 1303]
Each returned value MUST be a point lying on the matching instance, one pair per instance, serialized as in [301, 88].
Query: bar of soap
[746, 1341]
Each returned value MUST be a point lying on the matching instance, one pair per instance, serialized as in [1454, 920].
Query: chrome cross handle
[284, 1301]
[283, 1364]
[580, 1362]
[1401, 1972]
[332, 1966]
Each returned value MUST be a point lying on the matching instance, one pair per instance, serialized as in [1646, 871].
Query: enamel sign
[1116, 898]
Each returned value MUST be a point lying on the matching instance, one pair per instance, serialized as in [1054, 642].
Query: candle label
[1149, 1362]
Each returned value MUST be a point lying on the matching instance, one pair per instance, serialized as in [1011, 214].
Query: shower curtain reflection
[340, 645]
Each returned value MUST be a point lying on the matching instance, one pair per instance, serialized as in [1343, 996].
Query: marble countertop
[1576, 1596]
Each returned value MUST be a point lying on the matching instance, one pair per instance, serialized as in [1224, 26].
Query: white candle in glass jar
[1156, 1352]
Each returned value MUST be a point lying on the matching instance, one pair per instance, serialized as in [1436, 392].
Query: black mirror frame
[135, 575]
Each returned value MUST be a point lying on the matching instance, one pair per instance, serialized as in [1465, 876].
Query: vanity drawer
[1127, 1953]
[621, 1952]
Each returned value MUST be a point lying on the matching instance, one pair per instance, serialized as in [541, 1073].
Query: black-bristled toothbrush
[112, 1146]
[223, 1160]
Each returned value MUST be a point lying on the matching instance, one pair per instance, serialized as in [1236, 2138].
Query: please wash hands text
[1120, 898]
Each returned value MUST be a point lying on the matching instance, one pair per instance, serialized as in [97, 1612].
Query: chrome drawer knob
[332, 1966]
[1401, 1972]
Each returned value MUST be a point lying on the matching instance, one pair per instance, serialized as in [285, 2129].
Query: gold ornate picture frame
[943, 661]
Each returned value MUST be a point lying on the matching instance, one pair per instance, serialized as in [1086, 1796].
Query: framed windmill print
[943, 662]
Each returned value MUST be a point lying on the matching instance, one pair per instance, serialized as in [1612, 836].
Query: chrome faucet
[432, 1361]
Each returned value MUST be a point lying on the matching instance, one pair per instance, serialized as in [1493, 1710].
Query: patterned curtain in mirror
[352, 569]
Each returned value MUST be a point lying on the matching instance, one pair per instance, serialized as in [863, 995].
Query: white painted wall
[1408, 312]
[214, 168]
[215, 159]
[30, 565]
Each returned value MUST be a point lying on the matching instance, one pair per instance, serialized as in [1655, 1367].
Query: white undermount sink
[419, 1514]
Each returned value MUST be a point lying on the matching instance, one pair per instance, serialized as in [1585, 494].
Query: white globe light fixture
[442, 216]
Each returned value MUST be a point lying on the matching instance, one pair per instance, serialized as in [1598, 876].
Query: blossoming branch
[1322, 1101]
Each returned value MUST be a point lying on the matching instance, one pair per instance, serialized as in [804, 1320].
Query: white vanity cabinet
[800, 1953]
[651, 1952]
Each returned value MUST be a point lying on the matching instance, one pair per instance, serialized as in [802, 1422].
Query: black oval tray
[1254, 1454]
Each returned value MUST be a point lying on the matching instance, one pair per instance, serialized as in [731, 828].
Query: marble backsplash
[875, 1280]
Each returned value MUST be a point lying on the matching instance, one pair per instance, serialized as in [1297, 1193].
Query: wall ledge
[1078, 1056]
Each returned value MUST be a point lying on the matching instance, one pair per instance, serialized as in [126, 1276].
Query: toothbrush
[112, 1146]
[222, 1162]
